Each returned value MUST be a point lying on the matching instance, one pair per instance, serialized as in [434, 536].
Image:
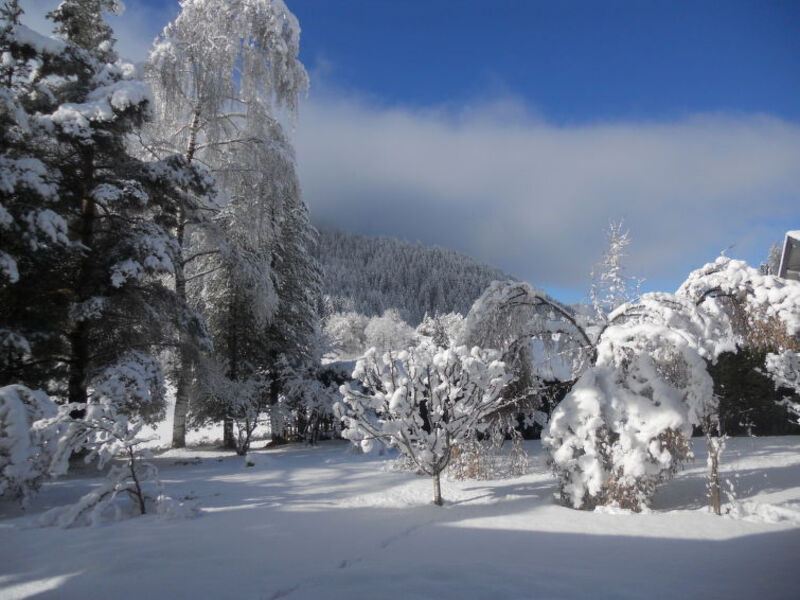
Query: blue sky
[572, 61]
[516, 130]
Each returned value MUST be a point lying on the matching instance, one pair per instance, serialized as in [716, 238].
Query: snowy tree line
[369, 275]
[152, 231]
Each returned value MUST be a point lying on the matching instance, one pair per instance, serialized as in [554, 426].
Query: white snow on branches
[422, 400]
[24, 443]
[764, 296]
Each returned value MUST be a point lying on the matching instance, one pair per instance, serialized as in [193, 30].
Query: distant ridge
[369, 274]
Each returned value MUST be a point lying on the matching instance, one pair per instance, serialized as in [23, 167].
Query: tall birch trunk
[184, 362]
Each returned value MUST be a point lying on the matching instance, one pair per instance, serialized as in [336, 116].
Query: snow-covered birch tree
[219, 72]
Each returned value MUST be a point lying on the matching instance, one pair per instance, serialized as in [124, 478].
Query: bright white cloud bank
[533, 198]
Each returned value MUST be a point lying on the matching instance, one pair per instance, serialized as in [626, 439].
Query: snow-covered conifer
[25, 445]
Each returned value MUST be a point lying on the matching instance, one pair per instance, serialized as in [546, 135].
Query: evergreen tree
[101, 217]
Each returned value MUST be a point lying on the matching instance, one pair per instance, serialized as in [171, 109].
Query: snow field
[325, 523]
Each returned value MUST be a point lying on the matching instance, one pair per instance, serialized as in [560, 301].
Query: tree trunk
[79, 335]
[228, 439]
[714, 496]
[437, 490]
[184, 365]
[78, 365]
[277, 427]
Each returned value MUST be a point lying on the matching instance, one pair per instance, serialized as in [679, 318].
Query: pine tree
[100, 216]
[33, 219]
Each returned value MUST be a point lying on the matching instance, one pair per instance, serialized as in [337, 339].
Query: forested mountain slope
[370, 274]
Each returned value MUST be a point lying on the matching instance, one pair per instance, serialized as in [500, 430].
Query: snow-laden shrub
[626, 423]
[764, 310]
[784, 369]
[422, 401]
[25, 443]
[485, 460]
[109, 433]
[388, 332]
[131, 486]
[135, 384]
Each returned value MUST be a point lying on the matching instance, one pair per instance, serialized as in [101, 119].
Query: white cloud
[533, 198]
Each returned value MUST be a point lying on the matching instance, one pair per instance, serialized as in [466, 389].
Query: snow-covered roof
[790, 259]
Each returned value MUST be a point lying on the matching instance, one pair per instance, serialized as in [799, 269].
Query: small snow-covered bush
[109, 432]
[485, 458]
[25, 444]
[422, 401]
[471, 459]
[131, 486]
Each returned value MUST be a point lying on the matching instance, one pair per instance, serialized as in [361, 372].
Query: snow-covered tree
[388, 332]
[345, 330]
[219, 72]
[25, 445]
[611, 287]
[33, 220]
[625, 425]
[423, 401]
[541, 341]
[443, 329]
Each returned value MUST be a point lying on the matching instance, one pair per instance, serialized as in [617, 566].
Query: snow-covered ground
[324, 523]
